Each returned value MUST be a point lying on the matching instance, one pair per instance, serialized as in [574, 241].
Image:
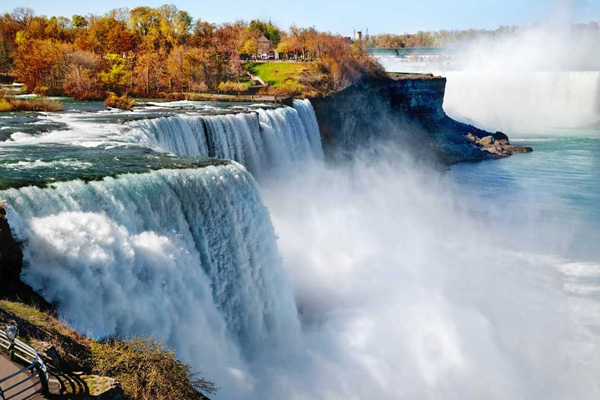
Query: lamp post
[12, 331]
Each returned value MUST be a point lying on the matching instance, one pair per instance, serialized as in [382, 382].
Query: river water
[380, 277]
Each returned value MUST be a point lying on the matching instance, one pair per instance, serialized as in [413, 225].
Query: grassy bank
[143, 366]
[285, 77]
[13, 104]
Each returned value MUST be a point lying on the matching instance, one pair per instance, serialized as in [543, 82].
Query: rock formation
[11, 264]
[405, 108]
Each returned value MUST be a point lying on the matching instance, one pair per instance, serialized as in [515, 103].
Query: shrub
[41, 90]
[144, 367]
[123, 102]
[34, 104]
[148, 371]
[5, 106]
[232, 87]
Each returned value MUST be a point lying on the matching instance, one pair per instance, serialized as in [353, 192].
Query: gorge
[351, 269]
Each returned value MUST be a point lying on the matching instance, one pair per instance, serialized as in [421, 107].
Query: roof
[263, 39]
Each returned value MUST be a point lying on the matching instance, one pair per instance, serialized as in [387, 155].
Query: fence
[35, 369]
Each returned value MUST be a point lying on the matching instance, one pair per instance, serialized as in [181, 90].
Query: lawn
[280, 74]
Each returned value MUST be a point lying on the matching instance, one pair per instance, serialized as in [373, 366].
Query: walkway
[27, 391]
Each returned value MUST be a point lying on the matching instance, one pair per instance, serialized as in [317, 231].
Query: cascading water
[409, 284]
[261, 140]
[513, 100]
[523, 101]
[186, 255]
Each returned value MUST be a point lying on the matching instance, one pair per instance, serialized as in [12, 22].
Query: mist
[527, 81]
[411, 286]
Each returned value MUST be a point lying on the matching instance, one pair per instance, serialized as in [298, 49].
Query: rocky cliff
[405, 108]
[11, 264]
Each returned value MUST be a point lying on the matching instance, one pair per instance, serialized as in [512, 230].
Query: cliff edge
[11, 264]
[406, 108]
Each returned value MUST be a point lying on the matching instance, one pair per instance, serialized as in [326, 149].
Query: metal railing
[34, 366]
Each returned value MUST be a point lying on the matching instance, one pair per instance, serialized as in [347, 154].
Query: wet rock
[485, 141]
[498, 147]
[102, 388]
[48, 352]
[11, 263]
[54, 386]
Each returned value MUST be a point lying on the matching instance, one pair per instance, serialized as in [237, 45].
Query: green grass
[38, 318]
[280, 74]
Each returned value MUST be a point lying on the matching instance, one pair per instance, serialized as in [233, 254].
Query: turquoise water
[482, 287]
[559, 182]
[89, 142]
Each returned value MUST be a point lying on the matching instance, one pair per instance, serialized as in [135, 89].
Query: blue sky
[343, 16]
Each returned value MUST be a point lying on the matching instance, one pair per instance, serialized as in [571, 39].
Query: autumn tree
[250, 46]
[83, 82]
[270, 31]
[41, 64]
[148, 51]
[106, 35]
[148, 73]
[182, 26]
[178, 68]
[79, 22]
[116, 75]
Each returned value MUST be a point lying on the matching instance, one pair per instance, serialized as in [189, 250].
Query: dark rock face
[11, 264]
[407, 109]
[11, 256]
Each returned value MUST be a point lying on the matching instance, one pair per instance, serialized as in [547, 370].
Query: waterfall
[261, 140]
[187, 255]
[524, 102]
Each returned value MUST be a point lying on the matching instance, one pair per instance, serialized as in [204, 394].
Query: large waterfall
[513, 89]
[520, 102]
[186, 255]
[260, 139]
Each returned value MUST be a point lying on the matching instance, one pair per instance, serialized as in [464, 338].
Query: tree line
[445, 38]
[152, 51]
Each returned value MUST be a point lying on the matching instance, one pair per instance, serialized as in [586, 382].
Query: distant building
[358, 35]
[264, 45]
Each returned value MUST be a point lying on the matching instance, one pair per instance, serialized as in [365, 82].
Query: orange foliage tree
[154, 51]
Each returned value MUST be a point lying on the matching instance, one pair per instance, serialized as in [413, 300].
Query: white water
[186, 255]
[539, 77]
[512, 100]
[261, 140]
[407, 285]
[410, 286]
[518, 102]
[404, 286]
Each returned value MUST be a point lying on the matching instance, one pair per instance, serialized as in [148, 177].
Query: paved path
[7, 368]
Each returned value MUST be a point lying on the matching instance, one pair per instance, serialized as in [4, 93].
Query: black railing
[35, 372]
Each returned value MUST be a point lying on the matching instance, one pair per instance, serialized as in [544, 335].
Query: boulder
[102, 388]
[485, 141]
[500, 136]
[48, 352]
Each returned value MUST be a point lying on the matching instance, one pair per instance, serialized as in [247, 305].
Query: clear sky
[344, 16]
